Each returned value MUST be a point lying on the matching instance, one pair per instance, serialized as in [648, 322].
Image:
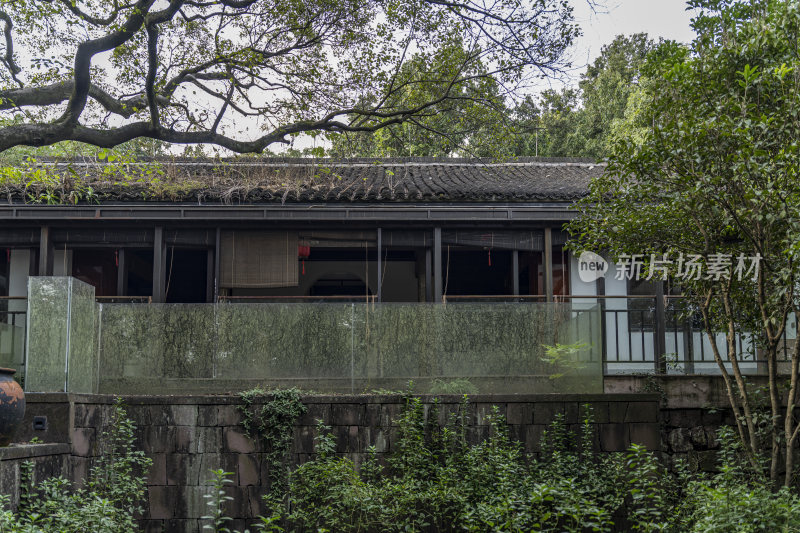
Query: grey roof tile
[358, 180]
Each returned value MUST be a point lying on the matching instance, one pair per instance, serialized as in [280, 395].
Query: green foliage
[110, 502]
[271, 415]
[216, 501]
[711, 167]
[453, 386]
[564, 358]
[38, 182]
[436, 480]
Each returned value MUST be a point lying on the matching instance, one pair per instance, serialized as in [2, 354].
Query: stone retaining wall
[49, 460]
[187, 436]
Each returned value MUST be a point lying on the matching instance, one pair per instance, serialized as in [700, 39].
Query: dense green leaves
[711, 166]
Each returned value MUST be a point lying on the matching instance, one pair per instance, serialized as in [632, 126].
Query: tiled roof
[355, 180]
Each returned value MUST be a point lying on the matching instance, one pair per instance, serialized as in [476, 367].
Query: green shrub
[109, 504]
[436, 481]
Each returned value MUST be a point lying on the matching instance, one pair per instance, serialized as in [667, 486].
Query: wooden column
[380, 265]
[660, 331]
[548, 263]
[428, 276]
[46, 252]
[216, 264]
[437, 265]
[159, 266]
[600, 287]
[515, 272]
[33, 262]
[122, 272]
[210, 275]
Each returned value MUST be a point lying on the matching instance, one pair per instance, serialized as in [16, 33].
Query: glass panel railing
[62, 338]
[345, 347]
[48, 310]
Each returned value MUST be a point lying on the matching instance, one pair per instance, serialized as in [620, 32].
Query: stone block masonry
[187, 436]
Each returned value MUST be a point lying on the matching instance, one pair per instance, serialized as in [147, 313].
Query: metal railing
[13, 323]
[633, 328]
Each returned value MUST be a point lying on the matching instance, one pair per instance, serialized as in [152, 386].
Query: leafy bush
[436, 481]
[109, 503]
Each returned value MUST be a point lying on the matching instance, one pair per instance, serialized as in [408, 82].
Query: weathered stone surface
[641, 412]
[83, 441]
[347, 414]
[680, 440]
[237, 441]
[228, 415]
[187, 437]
[207, 415]
[162, 501]
[617, 412]
[533, 438]
[157, 474]
[248, 470]
[184, 415]
[545, 413]
[646, 434]
[519, 413]
[614, 437]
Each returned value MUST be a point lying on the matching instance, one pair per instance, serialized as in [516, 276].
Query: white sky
[657, 18]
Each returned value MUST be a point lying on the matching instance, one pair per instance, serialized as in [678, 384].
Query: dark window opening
[97, 267]
[139, 264]
[531, 280]
[187, 273]
[531, 272]
[343, 284]
[477, 272]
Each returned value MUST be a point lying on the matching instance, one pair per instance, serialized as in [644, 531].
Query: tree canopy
[714, 176]
[195, 71]
[581, 121]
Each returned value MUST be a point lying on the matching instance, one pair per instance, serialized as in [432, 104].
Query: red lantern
[303, 251]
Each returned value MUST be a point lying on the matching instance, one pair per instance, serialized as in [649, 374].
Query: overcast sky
[657, 18]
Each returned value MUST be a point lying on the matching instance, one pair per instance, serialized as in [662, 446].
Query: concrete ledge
[29, 451]
[233, 398]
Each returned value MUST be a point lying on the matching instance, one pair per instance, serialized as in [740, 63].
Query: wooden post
[688, 346]
[600, 288]
[548, 263]
[210, 275]
[216, 264]
[428, 276]
[437, 265]
[660, 331]
[122, 272]
[46, 252]
[380, 265]
[159, 266]
[515, 272]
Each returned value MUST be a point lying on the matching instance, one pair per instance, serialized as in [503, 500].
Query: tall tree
[606, 87]
[467, 122]
[195, 71]
[582, 122]
[716, 177]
